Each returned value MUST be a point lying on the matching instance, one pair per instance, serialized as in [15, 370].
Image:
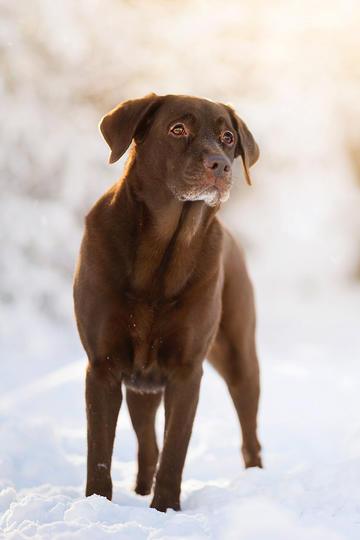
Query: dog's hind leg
[241, 373]
[233, 353]
[142, 408]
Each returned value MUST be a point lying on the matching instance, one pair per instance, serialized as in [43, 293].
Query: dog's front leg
[103, 400]
[181, 399]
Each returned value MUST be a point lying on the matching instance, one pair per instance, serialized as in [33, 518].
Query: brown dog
[160, 285]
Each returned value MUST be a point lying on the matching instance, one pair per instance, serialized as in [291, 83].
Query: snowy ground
[309, 427]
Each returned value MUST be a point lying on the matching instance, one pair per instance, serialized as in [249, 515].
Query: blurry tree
[290, 69]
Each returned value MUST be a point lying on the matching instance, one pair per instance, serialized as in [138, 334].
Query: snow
[309, 428]
[293, 76]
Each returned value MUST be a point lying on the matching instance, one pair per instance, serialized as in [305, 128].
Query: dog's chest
[153, 331]
[165, 256]
[163, 294]
[149, 322]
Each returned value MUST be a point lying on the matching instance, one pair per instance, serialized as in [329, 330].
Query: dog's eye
[178, 130]
[227, 137]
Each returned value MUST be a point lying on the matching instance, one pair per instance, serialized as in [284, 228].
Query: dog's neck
[168, 236]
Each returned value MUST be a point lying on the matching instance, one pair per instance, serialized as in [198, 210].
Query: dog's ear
[120, 125]
[246, 146]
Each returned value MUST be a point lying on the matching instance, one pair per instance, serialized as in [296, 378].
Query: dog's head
[189, 143]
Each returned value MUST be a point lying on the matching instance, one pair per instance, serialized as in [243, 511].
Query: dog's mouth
[198, 185]
[211, 193]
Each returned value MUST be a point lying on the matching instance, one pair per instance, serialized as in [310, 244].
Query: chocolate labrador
[161, 285]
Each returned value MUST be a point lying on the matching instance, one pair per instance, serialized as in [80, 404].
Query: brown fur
[160, 285]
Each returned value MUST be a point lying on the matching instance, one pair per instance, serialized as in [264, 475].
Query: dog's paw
[162, 503]
[143, 488]
[254, 462]
[252, 458]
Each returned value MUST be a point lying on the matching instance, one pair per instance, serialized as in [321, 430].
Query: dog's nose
[218, 165]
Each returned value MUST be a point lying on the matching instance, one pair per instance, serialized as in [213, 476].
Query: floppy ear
[246, 146]
[119, 126]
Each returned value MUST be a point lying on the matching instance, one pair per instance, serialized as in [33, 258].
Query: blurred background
[292, 72]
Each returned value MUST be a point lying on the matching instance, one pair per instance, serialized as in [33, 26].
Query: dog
[160, 285]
